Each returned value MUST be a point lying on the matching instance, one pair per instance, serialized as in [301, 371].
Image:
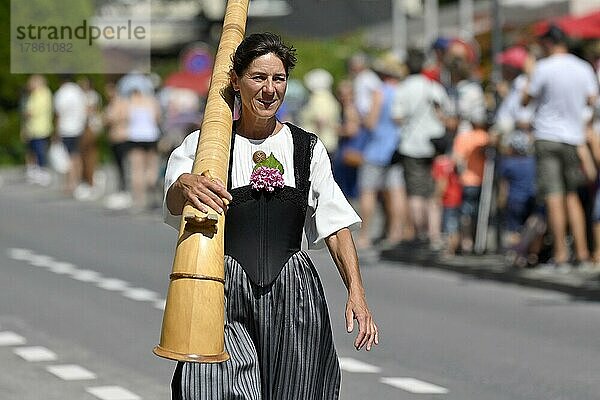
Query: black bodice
[263, 230]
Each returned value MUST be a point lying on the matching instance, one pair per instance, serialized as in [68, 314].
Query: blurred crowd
[140, 122]
[449, 165]
[456, 168]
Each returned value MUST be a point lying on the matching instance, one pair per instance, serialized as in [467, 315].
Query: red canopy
[188, 80]
[582, 27]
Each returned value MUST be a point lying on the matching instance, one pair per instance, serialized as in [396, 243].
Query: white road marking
[112, 393]
[140, 294]
[8, 338]
[70, 372]
[41, 261]
[20, 254]
[352, 365]
[63, 268]
[35, 354]
[112, 284]
[86, 275]
[412, 385]
[160, 304]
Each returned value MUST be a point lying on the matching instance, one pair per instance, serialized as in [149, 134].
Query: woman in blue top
[378, 174]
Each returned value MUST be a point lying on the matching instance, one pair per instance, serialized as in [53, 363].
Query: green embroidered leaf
[270, 162]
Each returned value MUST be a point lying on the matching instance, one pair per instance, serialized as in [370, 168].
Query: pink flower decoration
[266, 178]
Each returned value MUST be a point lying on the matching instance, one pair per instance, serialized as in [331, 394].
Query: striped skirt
[279, 340]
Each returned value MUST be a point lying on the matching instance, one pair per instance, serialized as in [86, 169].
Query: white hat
[318, 79]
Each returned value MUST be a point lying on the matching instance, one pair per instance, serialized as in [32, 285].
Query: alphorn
[194, 317]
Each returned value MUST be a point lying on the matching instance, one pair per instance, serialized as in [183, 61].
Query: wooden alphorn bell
[194, 317]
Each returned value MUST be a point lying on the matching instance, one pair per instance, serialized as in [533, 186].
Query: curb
[585, 286]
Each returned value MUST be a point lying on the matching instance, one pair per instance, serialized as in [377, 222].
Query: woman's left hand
[356, 308]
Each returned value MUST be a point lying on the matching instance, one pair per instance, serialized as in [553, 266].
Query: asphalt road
[80, 311]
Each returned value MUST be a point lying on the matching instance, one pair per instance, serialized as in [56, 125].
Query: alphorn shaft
[194, 320]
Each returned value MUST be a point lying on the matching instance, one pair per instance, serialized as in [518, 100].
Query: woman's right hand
[199, 190]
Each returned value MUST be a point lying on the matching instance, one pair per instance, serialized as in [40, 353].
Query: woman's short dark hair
[260, 44]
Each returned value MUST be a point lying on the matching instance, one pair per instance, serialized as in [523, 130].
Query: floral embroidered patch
[267, 174]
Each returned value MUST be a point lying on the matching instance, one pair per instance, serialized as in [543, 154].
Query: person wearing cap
[563, 86]
[511, 114]
[435, 71]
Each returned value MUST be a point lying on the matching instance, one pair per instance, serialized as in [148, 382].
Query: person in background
[70, 106]
[563, 86]
[434, 69]
[116, 119]
[593, 139]
[348, 157]
[321, 112]
[469, 156]
[511, 117]
[295, 99]
[89, 189]
[419, 108]
[365, 82]
[467, 100]
[467, 122]
[143, 134]
[37, 129]
[377, 174]
[512, 129]
[448, 192]
[517, 186]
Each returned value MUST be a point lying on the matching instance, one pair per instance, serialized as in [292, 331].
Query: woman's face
[262, 86]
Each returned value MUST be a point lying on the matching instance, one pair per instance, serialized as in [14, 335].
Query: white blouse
[328, 210]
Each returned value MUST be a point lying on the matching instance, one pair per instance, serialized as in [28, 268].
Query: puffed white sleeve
[328, 209]
[180, 162]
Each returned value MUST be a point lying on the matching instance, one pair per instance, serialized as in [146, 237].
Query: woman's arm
[200, 191]
[370, 120]
[342, 250]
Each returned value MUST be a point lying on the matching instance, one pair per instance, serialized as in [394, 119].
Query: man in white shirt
[70, 106]
[563, 86]
[366, 83]
[416, 108]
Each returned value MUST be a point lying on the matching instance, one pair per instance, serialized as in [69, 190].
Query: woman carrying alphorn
[277, 329]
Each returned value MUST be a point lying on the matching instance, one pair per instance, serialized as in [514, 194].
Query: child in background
[468, 153]
[517, 185]
[448, 191]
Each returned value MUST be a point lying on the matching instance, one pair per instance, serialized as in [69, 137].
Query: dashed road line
[8, 338]
[415, 386]
[112, 393]
[20, 254]
[352, 365]
[71, 372]
[66, 372]
[35, 354]
[86, 275]
[63, 268]
[41, 261]
[140, 294]
[112, 284]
